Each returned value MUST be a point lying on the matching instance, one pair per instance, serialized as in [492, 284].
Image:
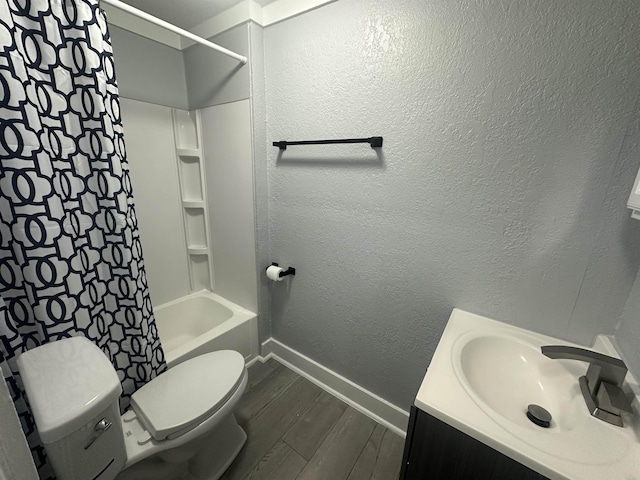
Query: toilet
[181, 424]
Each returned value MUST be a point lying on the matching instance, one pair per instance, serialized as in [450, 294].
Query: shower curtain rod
[169, 26]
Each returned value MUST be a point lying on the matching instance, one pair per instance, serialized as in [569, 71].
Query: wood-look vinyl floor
[297, 431]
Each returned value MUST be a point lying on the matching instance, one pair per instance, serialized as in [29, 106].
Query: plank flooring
[297, 431]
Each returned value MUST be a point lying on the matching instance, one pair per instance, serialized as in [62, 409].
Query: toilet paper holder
[288, 271]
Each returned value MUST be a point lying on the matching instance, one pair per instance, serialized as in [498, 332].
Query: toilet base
[205, 458]
[153, 468]
[217, 451]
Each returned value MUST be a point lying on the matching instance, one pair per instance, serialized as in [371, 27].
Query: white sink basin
[482, 378]
[519, 375]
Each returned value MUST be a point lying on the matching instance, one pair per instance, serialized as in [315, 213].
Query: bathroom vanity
[470, 421]
[435, 450]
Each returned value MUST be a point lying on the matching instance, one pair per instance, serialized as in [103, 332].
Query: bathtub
[205, 322]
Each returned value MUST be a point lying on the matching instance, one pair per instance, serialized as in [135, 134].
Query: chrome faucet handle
[601, 367]
[612, 399]
[601, 386]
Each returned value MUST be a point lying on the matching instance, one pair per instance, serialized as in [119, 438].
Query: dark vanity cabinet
[436, 451]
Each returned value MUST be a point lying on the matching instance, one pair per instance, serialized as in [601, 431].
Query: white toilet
[181, 424]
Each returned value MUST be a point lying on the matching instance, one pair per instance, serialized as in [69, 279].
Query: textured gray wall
[496, 190]
[628, 332]
[148, 71]
[214, 78]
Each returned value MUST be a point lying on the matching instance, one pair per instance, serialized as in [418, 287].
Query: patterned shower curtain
[70, 253]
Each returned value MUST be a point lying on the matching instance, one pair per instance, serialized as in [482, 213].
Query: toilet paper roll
[273, 273]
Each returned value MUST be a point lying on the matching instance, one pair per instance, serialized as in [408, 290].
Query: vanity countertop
[577, 446]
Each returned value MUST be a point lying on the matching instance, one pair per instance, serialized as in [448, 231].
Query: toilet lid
[184, 396]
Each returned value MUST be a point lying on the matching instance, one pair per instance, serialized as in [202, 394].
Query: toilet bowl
[181, 423]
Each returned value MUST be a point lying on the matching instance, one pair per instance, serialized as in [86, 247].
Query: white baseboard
[248, 361]
[370, 404]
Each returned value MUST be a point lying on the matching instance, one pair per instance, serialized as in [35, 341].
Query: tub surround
[576, 446]
[157, 197]
[227, 148]
[189, 238]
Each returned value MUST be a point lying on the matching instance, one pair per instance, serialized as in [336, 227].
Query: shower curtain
[70, 253]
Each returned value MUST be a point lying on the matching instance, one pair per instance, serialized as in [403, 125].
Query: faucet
[601, 386]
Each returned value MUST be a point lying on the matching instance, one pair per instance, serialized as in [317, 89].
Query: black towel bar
[375, 142]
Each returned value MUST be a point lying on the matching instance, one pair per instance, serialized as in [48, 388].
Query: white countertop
[589, 449]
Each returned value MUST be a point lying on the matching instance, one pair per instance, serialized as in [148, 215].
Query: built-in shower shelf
[198, 250]
[191, 172]
[188, 152]
[193, 204]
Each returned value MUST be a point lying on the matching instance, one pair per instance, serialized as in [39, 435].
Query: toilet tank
[73, 391]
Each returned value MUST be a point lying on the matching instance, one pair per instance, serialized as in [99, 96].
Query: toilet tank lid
[68, 382]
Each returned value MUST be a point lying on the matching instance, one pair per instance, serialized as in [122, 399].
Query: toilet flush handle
[101, 427]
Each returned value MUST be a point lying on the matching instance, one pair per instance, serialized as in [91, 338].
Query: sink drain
[539, 415]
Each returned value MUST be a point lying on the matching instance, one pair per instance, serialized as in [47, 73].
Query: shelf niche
[191, 173]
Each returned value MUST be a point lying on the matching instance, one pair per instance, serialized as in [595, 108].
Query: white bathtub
[205, 322]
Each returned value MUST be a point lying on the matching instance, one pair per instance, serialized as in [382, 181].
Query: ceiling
[187, 13]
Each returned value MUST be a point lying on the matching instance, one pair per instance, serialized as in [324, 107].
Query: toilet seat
[184, 396]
